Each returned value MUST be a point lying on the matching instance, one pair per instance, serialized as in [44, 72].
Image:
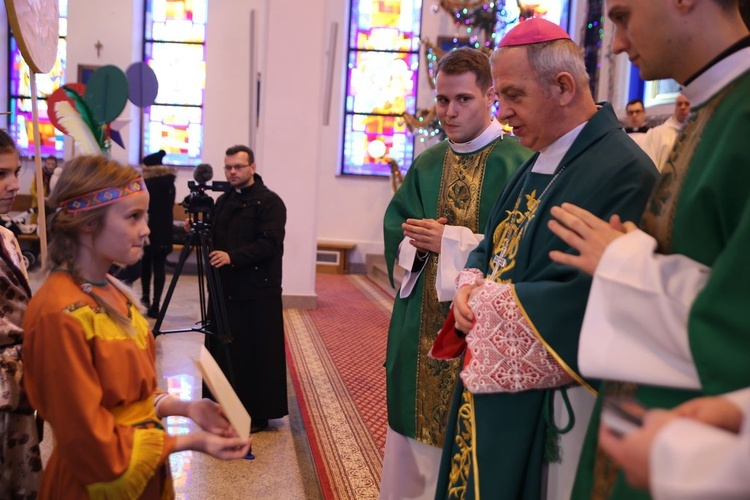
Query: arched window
[20, 122]
[174, 46]
[383, 64]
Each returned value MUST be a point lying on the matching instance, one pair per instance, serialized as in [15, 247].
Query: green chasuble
[462, 188]
[495, 443]
[701, 209]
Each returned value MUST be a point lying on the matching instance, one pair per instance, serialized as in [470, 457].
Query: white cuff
[407, 255]
[635, 327]
[455, 246]
[692, 461]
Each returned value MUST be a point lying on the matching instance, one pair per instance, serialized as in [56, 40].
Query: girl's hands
[209, 417]
[223, 448]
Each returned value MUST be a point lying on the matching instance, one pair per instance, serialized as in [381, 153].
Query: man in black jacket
[248, 234]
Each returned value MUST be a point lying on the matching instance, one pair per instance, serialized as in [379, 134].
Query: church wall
[288, 141]
[351, 208]
[297, 155]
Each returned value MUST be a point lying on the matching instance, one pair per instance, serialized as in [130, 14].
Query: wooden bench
[333, 256]
[21, 203]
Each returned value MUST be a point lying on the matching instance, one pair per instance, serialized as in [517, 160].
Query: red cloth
[448, 344]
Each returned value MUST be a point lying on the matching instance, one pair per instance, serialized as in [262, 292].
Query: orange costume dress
[95, 383]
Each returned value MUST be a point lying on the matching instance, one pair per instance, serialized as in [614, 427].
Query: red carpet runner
[336, 355]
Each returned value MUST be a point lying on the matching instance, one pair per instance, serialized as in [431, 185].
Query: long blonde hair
[80, 176]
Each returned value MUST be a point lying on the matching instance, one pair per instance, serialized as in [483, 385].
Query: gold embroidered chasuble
[460, 192]
[462, 187]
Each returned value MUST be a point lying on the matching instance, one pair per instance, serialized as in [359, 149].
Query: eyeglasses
[635, 111]
[229, 168]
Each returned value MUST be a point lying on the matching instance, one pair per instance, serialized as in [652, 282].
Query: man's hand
[217, 258]
[186, 224]
[585, 232]
[716, 411]
[425, 234]
[461, 310]
[632, 452]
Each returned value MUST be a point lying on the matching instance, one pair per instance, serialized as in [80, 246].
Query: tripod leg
[218, 308]
[184, 254]
[200, 258]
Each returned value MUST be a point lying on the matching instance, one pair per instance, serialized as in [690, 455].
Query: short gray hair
[547, 59]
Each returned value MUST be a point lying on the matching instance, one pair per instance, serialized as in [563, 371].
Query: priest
[517, 313]
[667, 313]
[660, 140]
[430, 226]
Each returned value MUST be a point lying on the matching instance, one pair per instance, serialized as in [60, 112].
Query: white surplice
[693, 461]
[639, 301]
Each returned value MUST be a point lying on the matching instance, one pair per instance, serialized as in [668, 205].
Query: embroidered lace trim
[506, 356]
[468, 277]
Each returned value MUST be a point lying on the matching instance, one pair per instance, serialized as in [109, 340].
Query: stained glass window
[20, 121]
[174, 47]
[383, 63]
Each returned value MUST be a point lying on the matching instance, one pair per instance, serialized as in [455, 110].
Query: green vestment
[462, 188]
[495, 442]
[701, 209]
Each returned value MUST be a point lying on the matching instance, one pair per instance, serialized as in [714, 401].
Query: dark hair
[7, 144]
[241, 149]
[467, 60]
[728, 4]
[154, 158]
[745, 12]
[634, 101]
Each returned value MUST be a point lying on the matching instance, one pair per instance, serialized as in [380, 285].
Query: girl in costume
[20, 463]
[90, 356]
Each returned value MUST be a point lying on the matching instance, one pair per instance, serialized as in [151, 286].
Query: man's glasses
[229, 168]
[635, 111]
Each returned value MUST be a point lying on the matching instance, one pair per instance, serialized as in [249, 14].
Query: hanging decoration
[479, 24]
[593, 36]
[424, 124]
[34, 23]
[88, 113]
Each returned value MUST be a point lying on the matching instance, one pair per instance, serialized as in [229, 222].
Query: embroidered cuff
[468, 277]
[506, 356]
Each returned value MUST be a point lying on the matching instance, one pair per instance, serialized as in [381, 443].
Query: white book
[222, 390]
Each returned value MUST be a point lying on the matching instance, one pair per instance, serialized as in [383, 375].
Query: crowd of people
[610, 271]
[549, 276]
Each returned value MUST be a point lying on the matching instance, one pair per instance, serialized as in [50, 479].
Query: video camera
[198, 201]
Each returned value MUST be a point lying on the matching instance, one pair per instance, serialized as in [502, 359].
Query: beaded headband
[103, 197]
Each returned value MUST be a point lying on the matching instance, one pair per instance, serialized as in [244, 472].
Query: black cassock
[249, 226]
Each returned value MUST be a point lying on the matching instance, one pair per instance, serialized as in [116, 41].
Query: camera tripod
[199, 237]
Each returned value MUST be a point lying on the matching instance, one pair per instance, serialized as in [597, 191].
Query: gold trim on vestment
[459, 199]
[506, 239]
[661, 208]
[465, 459]
[549, 348]
[474, 460]
[605, 469]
